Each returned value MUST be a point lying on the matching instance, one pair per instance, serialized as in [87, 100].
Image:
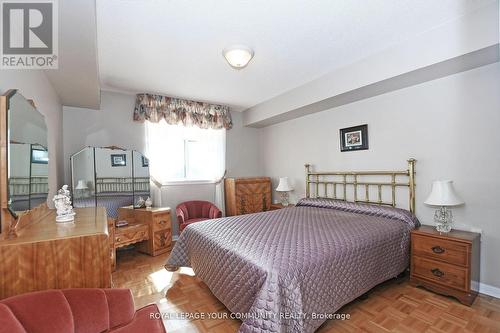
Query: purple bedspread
[281, 269]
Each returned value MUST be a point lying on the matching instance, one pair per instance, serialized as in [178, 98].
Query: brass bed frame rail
[352, 179]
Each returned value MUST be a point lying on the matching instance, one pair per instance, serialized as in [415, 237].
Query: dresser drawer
[440, 272]
[445, 250]
[161, 221]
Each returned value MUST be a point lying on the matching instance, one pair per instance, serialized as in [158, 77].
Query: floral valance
[180, 111]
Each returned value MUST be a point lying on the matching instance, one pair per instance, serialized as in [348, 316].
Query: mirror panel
[83, 178]
[27, 155]
[39, 175]
[141, 176]
[19, 176]
[109, 177]
[114, 181]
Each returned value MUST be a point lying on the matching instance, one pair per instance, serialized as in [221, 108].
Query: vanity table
[150, 229]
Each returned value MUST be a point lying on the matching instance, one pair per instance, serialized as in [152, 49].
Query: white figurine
[148, 203]
[62, 202]
[141, 203]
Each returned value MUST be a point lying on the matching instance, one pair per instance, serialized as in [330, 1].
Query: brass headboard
[338, 188]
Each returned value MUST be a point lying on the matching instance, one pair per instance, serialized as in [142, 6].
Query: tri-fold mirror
[110, 177]
[27, 154]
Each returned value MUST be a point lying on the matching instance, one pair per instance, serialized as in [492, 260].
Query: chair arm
[214, 212]
[181, 218]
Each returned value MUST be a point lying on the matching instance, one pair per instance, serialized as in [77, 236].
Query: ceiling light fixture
[238, 56]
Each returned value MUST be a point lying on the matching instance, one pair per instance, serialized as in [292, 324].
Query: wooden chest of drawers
[157, 224]
[446, 263]
[247, 195]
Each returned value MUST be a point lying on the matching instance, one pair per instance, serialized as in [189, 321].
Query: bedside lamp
[81, 187]
[284, 187]
[443, 195]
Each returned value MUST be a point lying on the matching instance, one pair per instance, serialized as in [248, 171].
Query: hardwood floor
[392, 307]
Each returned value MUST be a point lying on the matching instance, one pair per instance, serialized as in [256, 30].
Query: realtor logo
[29, 34]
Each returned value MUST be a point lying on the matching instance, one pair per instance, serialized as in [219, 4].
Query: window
[179, 153]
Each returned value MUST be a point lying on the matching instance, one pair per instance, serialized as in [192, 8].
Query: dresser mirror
[25, 159]
[110, 177]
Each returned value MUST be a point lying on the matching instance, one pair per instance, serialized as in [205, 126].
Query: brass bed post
[355, 188]
[316, 187]
[345, 187]
[307, 166]
[411, 175]
[393, 185]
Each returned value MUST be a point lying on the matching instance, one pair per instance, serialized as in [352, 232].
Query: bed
[110, 201]
[288, 270]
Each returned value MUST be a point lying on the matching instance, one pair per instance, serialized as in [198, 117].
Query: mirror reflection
[109, 177]
[141, 176]
[28, 159]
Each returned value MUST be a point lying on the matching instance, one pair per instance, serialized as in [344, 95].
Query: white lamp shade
[443, 194]
[82, 185]
[284, 185]
[238, 56]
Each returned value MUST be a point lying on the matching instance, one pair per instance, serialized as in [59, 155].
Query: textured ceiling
[174, 47]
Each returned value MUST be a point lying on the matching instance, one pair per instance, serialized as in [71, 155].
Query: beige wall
[451, 126]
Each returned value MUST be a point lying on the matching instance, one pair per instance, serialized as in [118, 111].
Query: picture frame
[354, 138]
[118, 160]
[39, 156]
[145, 162]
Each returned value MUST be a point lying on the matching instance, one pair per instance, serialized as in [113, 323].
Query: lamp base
[444, 219]
[284, 199]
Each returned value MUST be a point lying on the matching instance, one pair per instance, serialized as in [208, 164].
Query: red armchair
[77, 311]
[195, 211]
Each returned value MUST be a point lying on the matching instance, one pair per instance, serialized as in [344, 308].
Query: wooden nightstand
[279, 206]
[159, 227]
[446, 263]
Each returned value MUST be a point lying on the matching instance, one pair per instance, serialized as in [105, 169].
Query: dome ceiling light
[238, 56]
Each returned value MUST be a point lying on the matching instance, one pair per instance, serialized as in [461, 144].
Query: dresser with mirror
[36, 253]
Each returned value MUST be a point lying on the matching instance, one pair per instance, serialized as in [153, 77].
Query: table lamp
[81, 187]
[443, 195]
[284, 187]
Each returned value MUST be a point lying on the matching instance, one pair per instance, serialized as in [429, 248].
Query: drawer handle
[437, 249]
[118, 239]
[162, 222]
[437, 272]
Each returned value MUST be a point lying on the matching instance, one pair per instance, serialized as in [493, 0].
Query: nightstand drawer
[442, 273]
[162, 240]
[161, 221]
[445, 250]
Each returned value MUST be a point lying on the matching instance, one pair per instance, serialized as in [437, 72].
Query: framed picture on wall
[39, 156]
[118, 160]
[354, 138]
[145, 162]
